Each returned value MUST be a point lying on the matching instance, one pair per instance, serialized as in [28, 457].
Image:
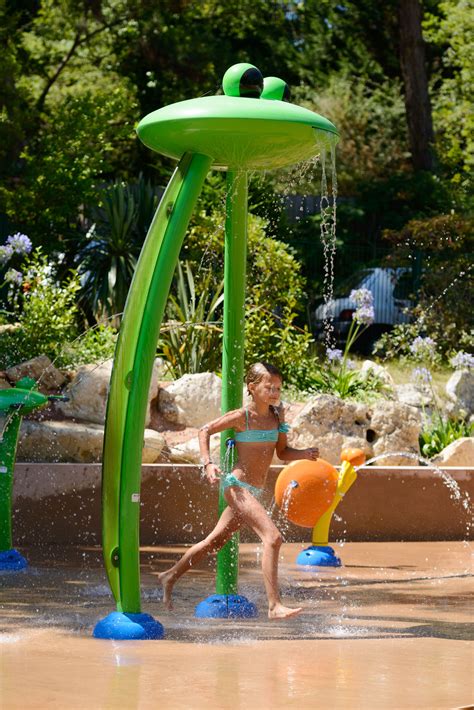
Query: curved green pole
[233, 346]
[133, 364]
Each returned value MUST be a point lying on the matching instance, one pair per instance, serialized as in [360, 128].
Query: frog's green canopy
[236, 132]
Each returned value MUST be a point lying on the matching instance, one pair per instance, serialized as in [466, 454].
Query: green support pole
[133, 364]
[8, 445]
[233, 347]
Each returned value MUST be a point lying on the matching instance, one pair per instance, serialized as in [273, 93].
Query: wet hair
[257, 372]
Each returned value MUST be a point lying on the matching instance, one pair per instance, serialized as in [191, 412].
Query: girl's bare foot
[283, 612]
[166, 581]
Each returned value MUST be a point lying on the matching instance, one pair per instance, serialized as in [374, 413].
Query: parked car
[390, 289]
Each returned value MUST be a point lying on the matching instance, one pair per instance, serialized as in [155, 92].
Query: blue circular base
[12, 561]
[226, 606]
[128, 627]
[318, 556]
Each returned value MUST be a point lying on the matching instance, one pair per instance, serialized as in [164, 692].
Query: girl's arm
[286, 453]
[230, 420]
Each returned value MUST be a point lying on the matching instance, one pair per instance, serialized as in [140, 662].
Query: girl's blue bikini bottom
[230, 480]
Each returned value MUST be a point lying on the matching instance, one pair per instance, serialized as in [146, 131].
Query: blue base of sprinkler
[318, 556]
[226, 606]
[128, 627]
[12, 561]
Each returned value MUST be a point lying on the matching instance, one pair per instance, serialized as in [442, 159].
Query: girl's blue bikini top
[259, 435]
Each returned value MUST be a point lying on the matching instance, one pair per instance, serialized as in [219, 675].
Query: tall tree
[413, 68]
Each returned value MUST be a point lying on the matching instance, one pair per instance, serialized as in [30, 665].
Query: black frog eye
[243, 80]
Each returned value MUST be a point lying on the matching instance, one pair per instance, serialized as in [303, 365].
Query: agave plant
[189, 339]
[108, 253]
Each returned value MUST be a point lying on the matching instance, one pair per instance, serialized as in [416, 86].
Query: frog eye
[275, 89]
[243, 80]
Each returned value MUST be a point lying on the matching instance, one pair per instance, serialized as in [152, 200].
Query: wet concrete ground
[392, 628]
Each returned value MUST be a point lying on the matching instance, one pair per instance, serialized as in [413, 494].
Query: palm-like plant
[108, 253]
[189, 339]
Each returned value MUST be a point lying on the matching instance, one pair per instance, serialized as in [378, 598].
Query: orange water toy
[304, 490]
[320, 553]
[356, 457]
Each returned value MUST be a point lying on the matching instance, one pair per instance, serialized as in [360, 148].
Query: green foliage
[47, 316]
[445, 244]
[274, 289]
[440, 432]
[94, 346]
[108, 253]
[64, 163]
[343, 382]
[370, 118]
[451, 29]
[396, 343]
[190, 338]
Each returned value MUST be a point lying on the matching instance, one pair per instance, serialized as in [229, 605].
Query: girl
[259, 431]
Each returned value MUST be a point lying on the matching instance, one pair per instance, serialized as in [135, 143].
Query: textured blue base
[318, 556]
[226, 606]
[128, 627]
[12, 561]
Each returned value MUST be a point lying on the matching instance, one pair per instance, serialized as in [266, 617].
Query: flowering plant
[462, 361]
[16, 245]
[338, 375]
[438, 431]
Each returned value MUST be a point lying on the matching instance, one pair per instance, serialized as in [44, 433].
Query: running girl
[259, 431]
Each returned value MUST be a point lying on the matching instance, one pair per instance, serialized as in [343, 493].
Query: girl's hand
[312, 453]
[213, 473]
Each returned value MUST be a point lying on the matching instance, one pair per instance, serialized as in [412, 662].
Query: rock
[188, 451]
[458, 453]
[152, 446]
[68, 442]
[40, 369]
[396, 428]
[379, 370]
[412, 396]
[89, 389]
[460, 390]
[192, 400]
[333, 424]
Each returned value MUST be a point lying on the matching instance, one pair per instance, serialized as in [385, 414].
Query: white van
[390, 289]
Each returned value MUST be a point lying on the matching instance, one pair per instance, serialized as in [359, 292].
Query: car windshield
[353, 281]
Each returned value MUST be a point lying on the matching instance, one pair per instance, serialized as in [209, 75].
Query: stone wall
[60, 504]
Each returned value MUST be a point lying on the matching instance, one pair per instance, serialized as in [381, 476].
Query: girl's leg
[226, 526]
[249, 511]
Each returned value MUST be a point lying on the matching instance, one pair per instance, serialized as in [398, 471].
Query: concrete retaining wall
[60, 504]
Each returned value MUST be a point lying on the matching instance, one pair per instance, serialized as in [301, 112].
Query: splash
[461, 498]
[328, 235]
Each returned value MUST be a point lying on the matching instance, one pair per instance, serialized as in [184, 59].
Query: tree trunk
[417, 100]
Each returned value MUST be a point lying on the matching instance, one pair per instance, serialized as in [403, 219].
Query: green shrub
[440, 432]
[46, 313]
[93, 346]
[190, 338]
[275, 289]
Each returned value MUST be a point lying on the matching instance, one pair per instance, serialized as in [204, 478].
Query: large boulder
[381, 428]
[66, 441]
[460, 390]
[89, 389]
[458, 453]
[40, 369]
[192, 400]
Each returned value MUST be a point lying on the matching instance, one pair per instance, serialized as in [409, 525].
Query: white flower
[334, 354]
[423, 348]
[462, 361]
